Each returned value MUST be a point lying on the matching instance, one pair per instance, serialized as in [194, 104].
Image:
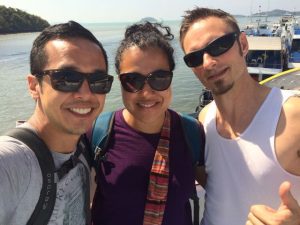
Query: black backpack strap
[44, 207]
[83, 147]
[87, 151]
[196, 206]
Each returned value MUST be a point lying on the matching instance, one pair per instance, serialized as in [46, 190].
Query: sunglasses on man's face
[71, 81]
[159, 80]
[217, 47]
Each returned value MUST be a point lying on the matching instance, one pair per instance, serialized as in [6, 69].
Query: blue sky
[98, 11]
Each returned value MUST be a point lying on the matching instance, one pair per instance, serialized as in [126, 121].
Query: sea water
[16, 104]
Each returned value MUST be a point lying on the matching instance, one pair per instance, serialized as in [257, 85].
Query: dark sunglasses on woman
[70, 80]
[215, 48]
[159, 80]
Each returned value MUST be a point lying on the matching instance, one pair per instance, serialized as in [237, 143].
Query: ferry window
[296, 45]
[273, 59]
[254, 58]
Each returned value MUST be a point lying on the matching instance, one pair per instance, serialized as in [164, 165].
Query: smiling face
[145, 109]
[217, 73]
[70, 113]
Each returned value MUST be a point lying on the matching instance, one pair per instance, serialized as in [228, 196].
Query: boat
[288, 21]
[259, 29]
[266, 56]
[250, 30]
[276, 29]
[263, 29]
[294, 51]
[289, 80]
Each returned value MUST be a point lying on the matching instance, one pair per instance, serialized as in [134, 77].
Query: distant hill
[276, 12]
[16, 21]
[149, 19]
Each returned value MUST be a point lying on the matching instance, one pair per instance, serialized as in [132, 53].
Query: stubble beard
[220, 88]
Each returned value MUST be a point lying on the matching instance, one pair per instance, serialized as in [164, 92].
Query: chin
[222, 89]
[77, 130]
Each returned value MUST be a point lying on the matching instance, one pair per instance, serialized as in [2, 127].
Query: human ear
[33, 86]
[243, 44]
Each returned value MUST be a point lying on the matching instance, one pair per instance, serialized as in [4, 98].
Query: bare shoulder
[287, 136]
[203, 112]
[290, 116]
[292, 107]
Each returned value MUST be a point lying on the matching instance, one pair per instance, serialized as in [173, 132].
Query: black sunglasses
[215, 48]
[70, 81]
[159, 80]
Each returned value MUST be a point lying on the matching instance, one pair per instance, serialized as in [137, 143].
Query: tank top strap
[269, 112]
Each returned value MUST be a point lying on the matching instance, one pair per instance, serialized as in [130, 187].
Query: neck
[237, 107]
[144, 125]
[56, 140]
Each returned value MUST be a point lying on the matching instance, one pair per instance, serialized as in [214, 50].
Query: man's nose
[208, 61]
[84, 89]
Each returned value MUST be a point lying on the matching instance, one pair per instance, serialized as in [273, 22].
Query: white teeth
[81, 110]
[147, 105]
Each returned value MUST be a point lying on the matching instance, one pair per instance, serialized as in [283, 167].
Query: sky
[97, 11]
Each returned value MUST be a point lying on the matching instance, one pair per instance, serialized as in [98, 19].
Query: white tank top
[244, 171]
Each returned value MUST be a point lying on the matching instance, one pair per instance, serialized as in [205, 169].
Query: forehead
[204, 31]
[74, 52]
[143, 60]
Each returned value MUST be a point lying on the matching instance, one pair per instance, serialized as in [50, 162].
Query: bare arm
[287, 144]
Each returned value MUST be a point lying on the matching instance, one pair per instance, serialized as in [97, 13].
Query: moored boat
[294, 52]
[266, 56]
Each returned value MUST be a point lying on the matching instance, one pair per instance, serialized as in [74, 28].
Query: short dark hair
[71, 29]
[146, 35]
[192, 16]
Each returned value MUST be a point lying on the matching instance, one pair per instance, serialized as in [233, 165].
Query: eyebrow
[69, 67]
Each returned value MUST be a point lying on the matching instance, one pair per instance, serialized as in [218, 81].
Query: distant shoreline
[273, 13]
[14, 21]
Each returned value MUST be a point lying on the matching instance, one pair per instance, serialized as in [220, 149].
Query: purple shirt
[123, 180]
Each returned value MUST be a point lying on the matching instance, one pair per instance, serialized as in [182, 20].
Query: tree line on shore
[14, 20]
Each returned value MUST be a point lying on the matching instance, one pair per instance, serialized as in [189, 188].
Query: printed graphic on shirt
[70, 198]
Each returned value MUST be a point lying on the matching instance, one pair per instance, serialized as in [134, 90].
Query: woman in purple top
[148, 175]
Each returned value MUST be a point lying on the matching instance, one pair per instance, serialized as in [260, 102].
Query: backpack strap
[101, 135]
[44, 207]
[194, 137]
[87, 153]
[195, 140]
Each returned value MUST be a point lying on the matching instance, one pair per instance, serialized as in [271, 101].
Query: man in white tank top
[252, 153]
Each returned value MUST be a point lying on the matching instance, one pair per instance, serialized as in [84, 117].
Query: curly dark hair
[147, 35]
